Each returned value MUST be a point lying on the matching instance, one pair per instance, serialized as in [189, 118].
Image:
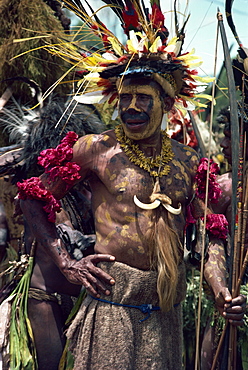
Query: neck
[152, 145]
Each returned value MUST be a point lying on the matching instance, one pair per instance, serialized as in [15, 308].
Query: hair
[224, 118]
[166, 253]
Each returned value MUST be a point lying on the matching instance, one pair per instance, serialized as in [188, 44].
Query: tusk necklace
[157, 167]
[156, 199]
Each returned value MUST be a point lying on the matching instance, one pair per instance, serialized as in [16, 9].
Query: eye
[125, 98]
[144, 98]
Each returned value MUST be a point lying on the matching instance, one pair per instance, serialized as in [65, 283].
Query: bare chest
[123, 180]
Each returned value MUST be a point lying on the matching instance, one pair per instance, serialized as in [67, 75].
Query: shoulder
[87, 142]
[224, 202]
[184, 150]
[225, 182]
[186, 155]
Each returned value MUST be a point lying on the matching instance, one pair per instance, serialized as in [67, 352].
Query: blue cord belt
[144, 308]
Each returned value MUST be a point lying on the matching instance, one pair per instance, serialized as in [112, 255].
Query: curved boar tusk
[152, 205]
[174, 211]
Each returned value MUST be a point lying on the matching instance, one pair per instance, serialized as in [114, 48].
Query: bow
[228, 9]
[230, 333]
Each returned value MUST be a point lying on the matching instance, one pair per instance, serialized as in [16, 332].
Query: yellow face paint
[124, 233]
[89, 140]
[140, 108]
[135, 237]
[122, 185]
[98, 237]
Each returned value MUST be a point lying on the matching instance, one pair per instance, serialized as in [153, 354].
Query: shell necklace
[149, 164]
[157, 167]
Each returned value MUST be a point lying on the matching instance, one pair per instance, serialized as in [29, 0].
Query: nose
[133, 104]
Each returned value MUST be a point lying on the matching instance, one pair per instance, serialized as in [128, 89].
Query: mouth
[134, 121]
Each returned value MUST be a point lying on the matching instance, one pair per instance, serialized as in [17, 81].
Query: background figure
[224, 206]
[51, 295]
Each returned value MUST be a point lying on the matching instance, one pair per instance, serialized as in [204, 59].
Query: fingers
[239, 301]
[101, 258]
[234, 311]
[98, 272]
[94, 278]
[95, 286]
[236, 322]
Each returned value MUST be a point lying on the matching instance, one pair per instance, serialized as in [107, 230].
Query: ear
[168, 103]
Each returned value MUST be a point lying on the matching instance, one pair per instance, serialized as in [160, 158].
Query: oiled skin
[120, 225]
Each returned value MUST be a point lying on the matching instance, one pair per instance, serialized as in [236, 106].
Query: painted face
[226, 145]
[140, 107]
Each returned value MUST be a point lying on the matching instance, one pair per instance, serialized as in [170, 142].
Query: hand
[86, 272]
[231, 309]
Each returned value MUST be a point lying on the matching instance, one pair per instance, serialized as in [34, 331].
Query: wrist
[60, 255]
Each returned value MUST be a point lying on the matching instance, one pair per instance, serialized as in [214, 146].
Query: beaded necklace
[136, 156]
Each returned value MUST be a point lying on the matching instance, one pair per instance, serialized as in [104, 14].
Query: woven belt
[144, 308]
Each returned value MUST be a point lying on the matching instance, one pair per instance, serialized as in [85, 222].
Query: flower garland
[136, 156]
[214, 189]
[216, 224]
[57, 164]
[34, 189]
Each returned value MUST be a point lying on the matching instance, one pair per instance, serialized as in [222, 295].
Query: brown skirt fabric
[107, 336]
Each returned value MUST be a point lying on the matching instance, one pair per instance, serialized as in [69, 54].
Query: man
[222, 206]
[125, 245]
[141, 183]
[50, 296]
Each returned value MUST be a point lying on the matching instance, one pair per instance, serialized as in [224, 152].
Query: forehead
[139, 86]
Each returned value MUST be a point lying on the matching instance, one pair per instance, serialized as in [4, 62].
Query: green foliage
[22, 349]
[29, 19]
[190, 311]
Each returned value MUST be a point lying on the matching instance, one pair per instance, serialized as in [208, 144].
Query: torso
[120, 224]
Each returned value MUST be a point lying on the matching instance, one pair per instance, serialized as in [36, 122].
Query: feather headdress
[147, 51]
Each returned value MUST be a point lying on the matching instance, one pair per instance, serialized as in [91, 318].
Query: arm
[61, 174]
[215, 274]
[83, 272]
[215, 271]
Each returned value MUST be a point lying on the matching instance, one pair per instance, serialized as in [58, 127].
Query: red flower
[64, 153]
[70, 138]
[47, 158]
[57, 163]
[214, 189]
[69, 172]
[217, 225]
[34, 189]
